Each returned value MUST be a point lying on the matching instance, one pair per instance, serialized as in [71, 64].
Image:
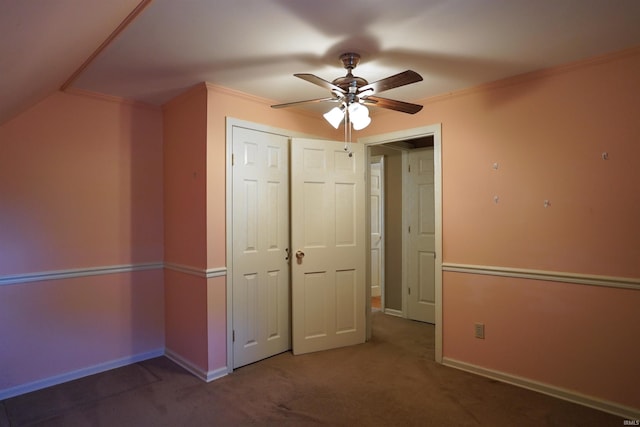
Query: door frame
[230, 124]
[434, 130]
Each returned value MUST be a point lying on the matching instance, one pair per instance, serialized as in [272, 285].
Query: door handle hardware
[299, 256]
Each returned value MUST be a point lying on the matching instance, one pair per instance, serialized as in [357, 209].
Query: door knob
[299, 255]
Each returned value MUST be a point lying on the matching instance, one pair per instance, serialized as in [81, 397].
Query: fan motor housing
[349, 80]
[350, 61]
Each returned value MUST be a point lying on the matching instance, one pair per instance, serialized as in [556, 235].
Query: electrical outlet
[479, 330]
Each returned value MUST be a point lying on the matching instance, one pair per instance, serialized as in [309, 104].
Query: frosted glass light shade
[361, 123]
[359, 116]
[334, 116]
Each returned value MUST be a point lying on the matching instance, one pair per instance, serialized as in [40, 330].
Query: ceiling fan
[351, 91]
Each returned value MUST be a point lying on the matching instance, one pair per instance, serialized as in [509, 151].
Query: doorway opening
[396, 225]
[412, 218]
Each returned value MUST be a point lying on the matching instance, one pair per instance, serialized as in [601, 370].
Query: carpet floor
[391, 380]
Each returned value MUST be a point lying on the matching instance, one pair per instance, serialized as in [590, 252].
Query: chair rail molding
[77, 272]
[551, 276]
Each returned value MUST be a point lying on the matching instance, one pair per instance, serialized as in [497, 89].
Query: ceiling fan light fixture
[361, 123]
[334, 116]
[352, 92]
[357, 110]
[359, 116]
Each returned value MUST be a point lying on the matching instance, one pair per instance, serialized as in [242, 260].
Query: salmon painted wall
[547, 132]
[217, 323]
[185, 215]
[80, 192]
[186, 319]
[185, 171]
[577, 337]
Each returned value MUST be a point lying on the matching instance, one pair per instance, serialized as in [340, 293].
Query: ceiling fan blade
[320, 82]
[397, 80]
[309, 101]
[392, 104]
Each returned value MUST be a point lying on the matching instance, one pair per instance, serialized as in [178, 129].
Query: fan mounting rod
[350, 83]
[350, 60]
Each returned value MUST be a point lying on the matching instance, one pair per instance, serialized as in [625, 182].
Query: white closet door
[261, 293]
[328, 245]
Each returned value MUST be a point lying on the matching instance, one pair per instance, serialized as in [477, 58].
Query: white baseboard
[80, 373]
[393, 312]
[206, 376]
[561, 393]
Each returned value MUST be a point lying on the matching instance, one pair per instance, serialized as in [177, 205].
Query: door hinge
[233, 159]
[233, 335]
[409, 229]
[409, 291]
[409, 167]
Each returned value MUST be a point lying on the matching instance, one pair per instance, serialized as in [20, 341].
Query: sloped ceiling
[254, 46]
[45, 41]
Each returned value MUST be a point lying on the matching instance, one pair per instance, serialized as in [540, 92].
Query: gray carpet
[32, 408]
[390, 381]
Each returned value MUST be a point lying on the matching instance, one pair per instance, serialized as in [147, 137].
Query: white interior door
[421, 253]
[261, 293]
[377, 228]
[327, 234]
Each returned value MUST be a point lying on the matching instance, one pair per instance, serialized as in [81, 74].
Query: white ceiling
[255, 46]
[43, 42]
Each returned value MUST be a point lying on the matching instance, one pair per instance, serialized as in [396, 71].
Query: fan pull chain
[347, 133]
